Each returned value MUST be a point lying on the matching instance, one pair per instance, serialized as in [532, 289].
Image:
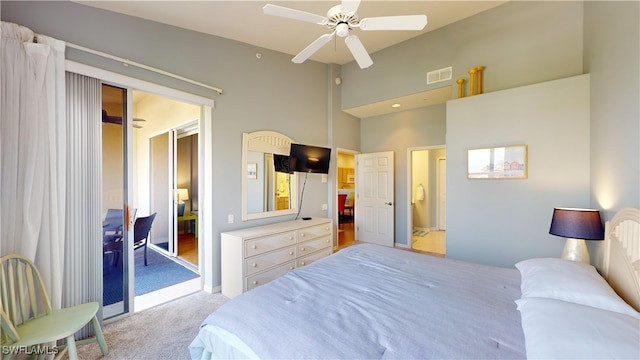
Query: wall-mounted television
[281, 163]
[309, 159]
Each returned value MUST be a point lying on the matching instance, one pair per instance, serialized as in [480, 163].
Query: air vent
[439, 75]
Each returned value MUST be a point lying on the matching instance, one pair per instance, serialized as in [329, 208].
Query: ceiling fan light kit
[341, 20]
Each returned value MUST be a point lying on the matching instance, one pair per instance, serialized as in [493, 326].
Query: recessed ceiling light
[396, 105]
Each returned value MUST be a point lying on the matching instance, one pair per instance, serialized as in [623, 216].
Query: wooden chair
[29, 323]
[342, 200]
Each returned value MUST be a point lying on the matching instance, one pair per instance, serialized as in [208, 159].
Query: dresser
[254, 256]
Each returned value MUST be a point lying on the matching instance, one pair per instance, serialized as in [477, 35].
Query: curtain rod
[127, 62]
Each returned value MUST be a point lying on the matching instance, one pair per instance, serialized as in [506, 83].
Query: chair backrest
[141, 229]
[23, 295]
[350, 199]
[113, 221]
[342, 199]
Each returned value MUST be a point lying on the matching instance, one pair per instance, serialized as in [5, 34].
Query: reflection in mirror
[267, 188]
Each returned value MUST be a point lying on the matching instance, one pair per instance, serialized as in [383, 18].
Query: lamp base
[576, 250]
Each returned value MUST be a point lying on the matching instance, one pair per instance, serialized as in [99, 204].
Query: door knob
[389, 203]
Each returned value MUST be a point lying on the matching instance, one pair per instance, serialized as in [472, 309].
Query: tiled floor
[433, 242]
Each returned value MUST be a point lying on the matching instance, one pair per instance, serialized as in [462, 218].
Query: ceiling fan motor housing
[341, 22]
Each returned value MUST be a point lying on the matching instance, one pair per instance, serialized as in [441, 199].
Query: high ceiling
[244, 21]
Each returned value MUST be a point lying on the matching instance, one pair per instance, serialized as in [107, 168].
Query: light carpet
[162, 332]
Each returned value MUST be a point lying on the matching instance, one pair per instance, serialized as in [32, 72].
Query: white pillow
[555, 329]
[570, 281]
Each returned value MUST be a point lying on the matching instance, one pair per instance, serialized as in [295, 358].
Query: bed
[369, 301]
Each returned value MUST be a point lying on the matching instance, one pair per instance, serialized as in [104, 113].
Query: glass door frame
[123, 306]
[205, 246]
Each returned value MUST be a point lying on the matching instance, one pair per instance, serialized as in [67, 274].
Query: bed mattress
[369, 301]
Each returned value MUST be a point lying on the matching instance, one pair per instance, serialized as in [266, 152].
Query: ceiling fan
[341, 20]
[106, 118]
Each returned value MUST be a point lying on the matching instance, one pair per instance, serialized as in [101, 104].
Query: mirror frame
[266, 142]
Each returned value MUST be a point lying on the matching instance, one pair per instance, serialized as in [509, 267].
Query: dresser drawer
[266, 276]
[310, 246]
[264, 261]
[268, 243]
[313, 232]
[306, 260]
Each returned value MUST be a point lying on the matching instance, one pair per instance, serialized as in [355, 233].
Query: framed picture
[252, 171]
[501, 162]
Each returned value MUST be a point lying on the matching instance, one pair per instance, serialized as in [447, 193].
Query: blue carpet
[159, 273]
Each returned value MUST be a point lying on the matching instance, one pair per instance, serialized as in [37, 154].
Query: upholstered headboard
[622, 255]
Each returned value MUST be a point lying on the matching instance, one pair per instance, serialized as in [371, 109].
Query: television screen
[306, 158]
[281, 163]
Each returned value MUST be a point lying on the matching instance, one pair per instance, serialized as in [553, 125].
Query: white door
[441, 209]
[375, 202]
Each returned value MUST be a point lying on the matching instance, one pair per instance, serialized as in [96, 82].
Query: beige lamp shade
[182, 194]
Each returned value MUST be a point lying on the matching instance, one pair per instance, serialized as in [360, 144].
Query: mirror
[265, 191]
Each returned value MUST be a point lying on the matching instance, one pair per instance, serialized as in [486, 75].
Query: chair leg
[71, 348]
[145, 254]
[99, 336]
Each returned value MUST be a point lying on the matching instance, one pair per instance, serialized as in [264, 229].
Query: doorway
[345, 198]
[126, 180]
[173, 192]
[427, 220]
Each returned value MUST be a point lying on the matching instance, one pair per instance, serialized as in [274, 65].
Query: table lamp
[577, 225]
[181, 196]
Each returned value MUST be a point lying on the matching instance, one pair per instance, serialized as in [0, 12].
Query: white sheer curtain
[32, 152]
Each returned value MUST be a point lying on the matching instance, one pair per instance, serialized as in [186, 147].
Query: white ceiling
[244, 21]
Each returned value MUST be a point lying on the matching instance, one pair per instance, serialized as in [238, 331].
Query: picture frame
[252, 171]
[499, 162]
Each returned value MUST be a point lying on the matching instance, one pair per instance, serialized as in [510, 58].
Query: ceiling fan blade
[403, 22]
[276, 10]
[349, 7]
[312, 48]
[358, 51]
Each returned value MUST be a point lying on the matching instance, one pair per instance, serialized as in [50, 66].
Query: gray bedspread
[370, 302]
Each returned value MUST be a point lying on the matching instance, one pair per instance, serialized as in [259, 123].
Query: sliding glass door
[117, 216]
[173, 191]
[161, 194]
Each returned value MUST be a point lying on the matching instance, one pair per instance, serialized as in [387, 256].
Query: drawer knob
[302, 234]
[290, 267]
[290, 252]
[254, 247]
[254, 264]
[326, 241]
[255, 282]
[302, 249]
[303, 263]
[290, 237]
